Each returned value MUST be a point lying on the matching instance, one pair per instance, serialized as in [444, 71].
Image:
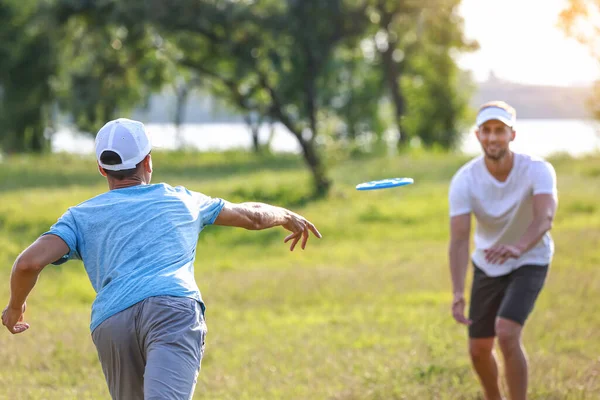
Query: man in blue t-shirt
[138, 244]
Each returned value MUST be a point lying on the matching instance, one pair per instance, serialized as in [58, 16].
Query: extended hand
[300, 227]
[501, 252]
[458, 310]
[13, 319]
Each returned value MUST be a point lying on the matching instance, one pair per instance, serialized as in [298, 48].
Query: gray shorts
[511, 296]
[152, 350]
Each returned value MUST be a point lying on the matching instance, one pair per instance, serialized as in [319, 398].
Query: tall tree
[416, 42]
[262, 58]
[109, 67]
[438, 98]
[267, 57]
[394, 38]
[27, 64]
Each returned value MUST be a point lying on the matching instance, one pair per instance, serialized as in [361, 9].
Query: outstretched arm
[258, 216]
[25, 272]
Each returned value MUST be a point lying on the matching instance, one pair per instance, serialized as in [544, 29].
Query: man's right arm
[258, 216]
[460, 230]
[458, 254]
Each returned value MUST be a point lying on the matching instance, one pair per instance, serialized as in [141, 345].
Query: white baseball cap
[126, 137]
[496, 113]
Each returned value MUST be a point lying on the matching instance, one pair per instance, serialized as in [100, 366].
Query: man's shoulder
[529, 159]
[112, 196]
[534, 163]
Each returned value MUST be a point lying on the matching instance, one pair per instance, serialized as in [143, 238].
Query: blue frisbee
[384, 183]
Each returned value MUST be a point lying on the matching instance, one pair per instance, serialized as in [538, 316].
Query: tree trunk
[256, 140]
[181, 96]
[26, 133]
[392, 75]
[321, 182]
[254, 128]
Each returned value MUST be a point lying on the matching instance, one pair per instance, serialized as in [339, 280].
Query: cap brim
[504, 120]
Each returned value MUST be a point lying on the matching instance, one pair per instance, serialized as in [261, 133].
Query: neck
[127, 182]
[500, 168]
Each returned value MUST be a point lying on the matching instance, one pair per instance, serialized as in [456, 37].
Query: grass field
[361, 314]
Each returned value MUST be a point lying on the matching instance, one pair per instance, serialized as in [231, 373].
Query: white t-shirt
[503, 210]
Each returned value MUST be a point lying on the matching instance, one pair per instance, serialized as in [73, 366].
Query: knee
[480, 350]
[509, 335]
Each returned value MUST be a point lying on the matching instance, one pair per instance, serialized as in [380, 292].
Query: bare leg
[515, 360]
[484, 362]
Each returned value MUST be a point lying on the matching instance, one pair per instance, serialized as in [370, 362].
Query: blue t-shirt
[137, 242]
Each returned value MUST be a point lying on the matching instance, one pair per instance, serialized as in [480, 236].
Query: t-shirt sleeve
[66, 229]
[459, 198]
[543, 177]
[208, 208]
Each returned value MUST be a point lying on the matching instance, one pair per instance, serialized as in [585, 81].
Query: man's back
[137, 242]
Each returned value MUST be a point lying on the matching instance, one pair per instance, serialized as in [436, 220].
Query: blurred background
[296, 76]
[295, 102]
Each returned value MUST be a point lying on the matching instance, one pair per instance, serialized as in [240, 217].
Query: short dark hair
[111, 158]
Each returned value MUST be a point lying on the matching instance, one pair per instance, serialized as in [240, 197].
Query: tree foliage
[323, 69]
[27, 64]
[581, 20]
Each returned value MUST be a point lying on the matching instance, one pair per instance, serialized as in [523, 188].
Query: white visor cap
[496, 113]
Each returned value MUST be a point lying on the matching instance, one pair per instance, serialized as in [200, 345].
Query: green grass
[361, 314]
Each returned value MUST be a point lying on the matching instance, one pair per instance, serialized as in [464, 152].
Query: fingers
[496, 254]
[291, 236]
[301, 229]
[498, 257]
[490, 254]
[499, 254]
[313, 229]
[295, 242]
[304, 237]
[295, 237]
[458, 313]
[459, 316]
[19, 328]
[462, 320]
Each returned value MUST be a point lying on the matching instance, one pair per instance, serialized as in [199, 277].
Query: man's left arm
[544, 209]
[26, 269]
[545, 198]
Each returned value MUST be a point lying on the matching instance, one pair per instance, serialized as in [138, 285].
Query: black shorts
[509, 296]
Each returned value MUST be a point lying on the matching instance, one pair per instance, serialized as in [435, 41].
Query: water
[535, 137]
[541, 137]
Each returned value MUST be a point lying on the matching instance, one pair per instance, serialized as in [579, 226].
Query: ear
[102, 171]
[513, 135]
[148, 164]
[477, 133]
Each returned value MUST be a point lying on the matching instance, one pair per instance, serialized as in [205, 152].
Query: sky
[520, 41]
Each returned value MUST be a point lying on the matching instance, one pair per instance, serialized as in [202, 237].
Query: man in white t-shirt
[514, 198]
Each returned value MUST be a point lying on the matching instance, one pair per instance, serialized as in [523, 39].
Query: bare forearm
[22, 281]
[264, 216]
[459, 261]
[534, 233]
